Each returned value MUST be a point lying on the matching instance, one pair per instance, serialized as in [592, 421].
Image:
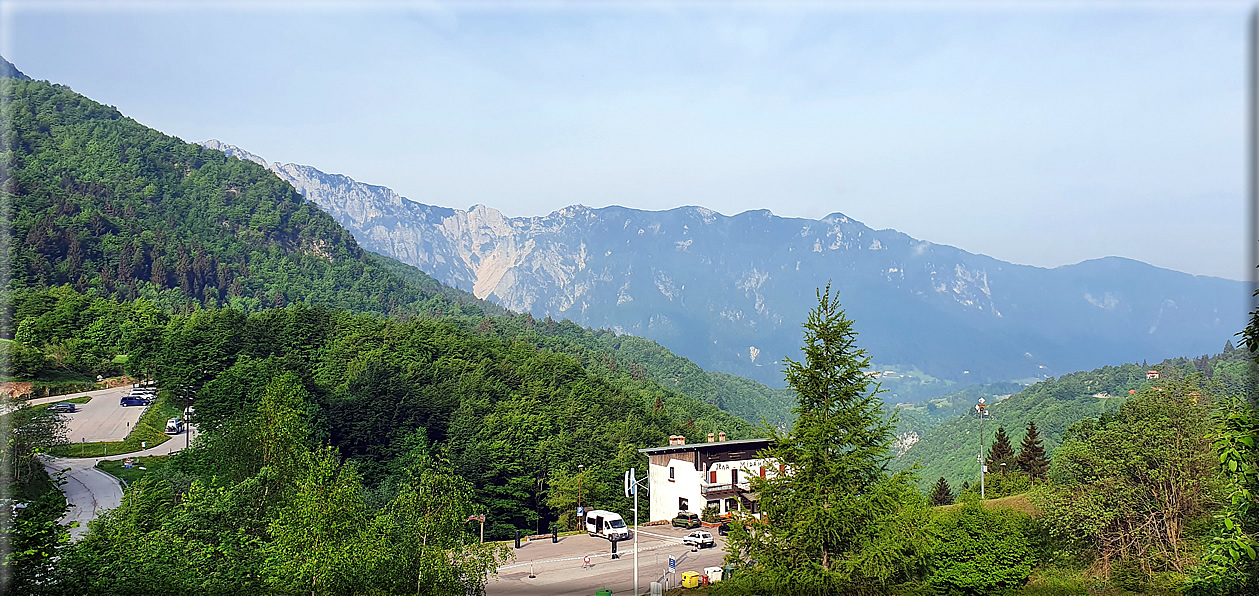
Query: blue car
[134, 400]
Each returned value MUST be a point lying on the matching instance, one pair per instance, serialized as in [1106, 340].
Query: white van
[606, 524]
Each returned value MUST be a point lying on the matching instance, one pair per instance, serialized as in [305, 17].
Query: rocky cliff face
[730, 292]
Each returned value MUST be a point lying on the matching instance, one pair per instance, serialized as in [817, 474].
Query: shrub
[981, 551]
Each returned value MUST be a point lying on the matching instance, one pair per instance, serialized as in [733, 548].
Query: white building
[690, 477]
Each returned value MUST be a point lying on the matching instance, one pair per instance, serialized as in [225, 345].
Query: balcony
[719, 491]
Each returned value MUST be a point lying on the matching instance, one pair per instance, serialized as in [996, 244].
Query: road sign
[673, 564]
[580, 511]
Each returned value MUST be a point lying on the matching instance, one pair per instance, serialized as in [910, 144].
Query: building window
[714, 504]
[671, 474]
[682, 505]
[734, 476]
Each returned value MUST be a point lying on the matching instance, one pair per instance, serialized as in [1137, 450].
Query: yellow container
[690, 579]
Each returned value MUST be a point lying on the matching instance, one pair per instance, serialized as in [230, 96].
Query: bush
[21, 360]
[709, 514]
[981, 551]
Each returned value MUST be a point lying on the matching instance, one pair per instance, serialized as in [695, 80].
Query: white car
[699, 539]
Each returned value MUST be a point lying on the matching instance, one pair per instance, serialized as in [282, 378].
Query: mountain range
[730, 292]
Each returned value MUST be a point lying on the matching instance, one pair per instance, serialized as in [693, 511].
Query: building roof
[713, 446]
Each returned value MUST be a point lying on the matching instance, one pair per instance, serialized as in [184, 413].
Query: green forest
[949, 449]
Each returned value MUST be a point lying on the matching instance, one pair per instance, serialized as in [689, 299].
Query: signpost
[479, 518]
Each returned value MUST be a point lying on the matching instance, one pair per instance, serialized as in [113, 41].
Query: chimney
[722, 436]
[710, 437]
[677, 440]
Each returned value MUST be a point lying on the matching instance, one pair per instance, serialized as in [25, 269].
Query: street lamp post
[580, 474]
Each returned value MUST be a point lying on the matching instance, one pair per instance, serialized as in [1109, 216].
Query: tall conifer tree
[1001, 451]
[942, 494]
[835, 490]
[1032, 460]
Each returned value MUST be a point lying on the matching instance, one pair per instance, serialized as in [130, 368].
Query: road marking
[583, 557]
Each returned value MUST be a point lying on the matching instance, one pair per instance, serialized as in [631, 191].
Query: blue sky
[1043, 136]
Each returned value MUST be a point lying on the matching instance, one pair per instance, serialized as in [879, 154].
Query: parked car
[686, 520]
[724, 528]
[699, 539]
[174, 426]
[134, 400]
[63, 407]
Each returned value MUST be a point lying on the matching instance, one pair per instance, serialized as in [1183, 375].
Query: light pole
[982, 411]
[631, 487]
[537, 523]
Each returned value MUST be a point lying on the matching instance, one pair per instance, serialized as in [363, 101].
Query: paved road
[572, 577]
[87, 489]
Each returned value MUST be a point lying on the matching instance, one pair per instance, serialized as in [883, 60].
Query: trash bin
[690, 579]
[714, 574]
[604, 592]
[727, 572]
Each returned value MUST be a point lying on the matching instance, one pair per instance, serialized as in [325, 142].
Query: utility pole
[631, 486]
[980, 408]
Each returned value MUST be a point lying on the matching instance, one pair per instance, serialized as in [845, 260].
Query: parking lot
[560, 568]
[101, 419]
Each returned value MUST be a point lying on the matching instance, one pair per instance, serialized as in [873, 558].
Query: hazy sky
[1043, 136]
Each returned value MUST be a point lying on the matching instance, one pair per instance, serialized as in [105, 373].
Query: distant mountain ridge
[729, 292]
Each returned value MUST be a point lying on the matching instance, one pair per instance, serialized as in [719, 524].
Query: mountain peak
[9, 71]
[233, 151]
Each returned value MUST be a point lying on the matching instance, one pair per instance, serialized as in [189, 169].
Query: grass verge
[140, 467]
[148, 432]
[73, 400]
[1020, 502]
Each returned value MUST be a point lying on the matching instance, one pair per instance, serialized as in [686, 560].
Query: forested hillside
[507, 413]
[108, 205]
[950, 449]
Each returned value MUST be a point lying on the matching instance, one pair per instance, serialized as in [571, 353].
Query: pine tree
[1001, 451]
[942, 495]
[1032, 460]
[835, 491]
